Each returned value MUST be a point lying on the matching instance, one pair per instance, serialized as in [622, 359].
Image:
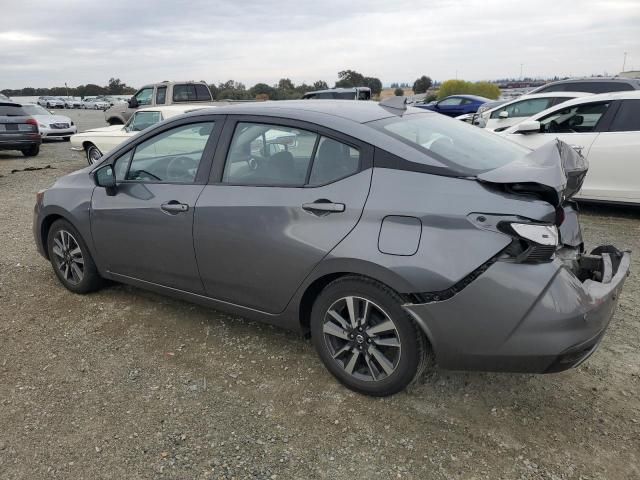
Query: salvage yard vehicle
[18, 130]
[391, 234]
[163, 93]
[51, 125]
[455, 105]
[50, 102]
[354, 93]
[98, 141]
[590, 85]
[515, 111]
[605, 128]
[71, 102]
[94, 104]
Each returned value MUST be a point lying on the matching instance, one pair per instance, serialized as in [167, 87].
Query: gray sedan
[394, 236]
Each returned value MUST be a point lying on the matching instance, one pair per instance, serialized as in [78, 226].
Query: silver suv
[163, 93]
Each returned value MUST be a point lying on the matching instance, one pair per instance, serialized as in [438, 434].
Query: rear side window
[191, 93]
[465, 149]
[628, 117]
[12, 111]
[525, 108]
[273, 155]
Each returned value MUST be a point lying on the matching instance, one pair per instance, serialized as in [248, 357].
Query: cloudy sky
[48, 42]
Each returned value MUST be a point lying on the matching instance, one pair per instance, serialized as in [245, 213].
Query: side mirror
[133, 102]
[529, 126]
[106, 178]
[503, 114]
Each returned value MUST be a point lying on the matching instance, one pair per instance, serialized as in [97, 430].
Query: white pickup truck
[159, 94]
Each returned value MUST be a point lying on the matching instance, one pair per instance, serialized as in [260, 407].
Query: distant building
[630, 74]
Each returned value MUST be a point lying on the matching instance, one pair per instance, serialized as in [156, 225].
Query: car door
[283, 194]
[143, 229]
[614, 158]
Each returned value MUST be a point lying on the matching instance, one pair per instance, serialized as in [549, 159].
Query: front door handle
[323, 207]
[174, 207]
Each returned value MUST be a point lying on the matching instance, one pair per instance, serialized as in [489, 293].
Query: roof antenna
[397, 103]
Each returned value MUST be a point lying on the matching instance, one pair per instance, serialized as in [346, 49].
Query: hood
[555, 171]
[48, 119]
[110, 128]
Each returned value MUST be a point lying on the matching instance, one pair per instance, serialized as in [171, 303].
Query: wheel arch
[48, 220]
[331, 270]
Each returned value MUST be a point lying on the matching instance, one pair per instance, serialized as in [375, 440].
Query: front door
[143, 230]
[285, 197]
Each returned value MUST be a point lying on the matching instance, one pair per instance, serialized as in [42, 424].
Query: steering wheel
[179, 168]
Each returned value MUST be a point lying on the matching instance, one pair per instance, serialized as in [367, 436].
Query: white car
[99, 141]
[515, 111]
[51, 125]
[50, 102]
[95, 104]
[605, 128]
[71, 103]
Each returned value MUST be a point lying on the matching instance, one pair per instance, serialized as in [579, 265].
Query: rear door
[614, 158]
[282, 195]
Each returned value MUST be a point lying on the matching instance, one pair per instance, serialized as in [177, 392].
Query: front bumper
[523, 317]
[58, 132]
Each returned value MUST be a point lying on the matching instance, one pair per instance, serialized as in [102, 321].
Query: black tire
[90, 279]
[31, 151]
[93, 154]
[368, 375]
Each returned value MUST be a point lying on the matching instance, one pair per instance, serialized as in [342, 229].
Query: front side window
[465, 149]
[144, 96]
[268, 155]
[525, 108]
[172, 156]
[576, 119]
[142, 120]
[161, 95]
[627, 118]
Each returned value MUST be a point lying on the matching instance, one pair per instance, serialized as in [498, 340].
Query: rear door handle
[323, 206]
[174, 207]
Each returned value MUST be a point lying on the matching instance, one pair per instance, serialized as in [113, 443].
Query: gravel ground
[127, 384]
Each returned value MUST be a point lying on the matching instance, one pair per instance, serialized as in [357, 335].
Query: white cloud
[264, 40]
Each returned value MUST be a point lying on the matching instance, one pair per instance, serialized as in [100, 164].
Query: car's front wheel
[70, 258]
[93, 154]
[365, 338]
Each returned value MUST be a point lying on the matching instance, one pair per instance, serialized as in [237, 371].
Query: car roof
[471, 97]
[355, 111]
[174, 109]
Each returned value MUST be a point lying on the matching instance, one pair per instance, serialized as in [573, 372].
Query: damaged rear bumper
[535, 318]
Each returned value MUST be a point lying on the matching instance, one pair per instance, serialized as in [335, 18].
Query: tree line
[285, 89]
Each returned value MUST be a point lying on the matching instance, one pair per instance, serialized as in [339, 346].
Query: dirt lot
[128, 384]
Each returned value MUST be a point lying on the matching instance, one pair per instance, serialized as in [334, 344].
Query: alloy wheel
[362, 338]
[68, 257]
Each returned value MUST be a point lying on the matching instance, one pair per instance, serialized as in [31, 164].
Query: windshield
[35, 110]
[465, 149]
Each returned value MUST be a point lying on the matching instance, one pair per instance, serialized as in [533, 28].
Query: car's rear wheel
[31, 151]
[70, 258]
[93, 154]
[365, 338]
